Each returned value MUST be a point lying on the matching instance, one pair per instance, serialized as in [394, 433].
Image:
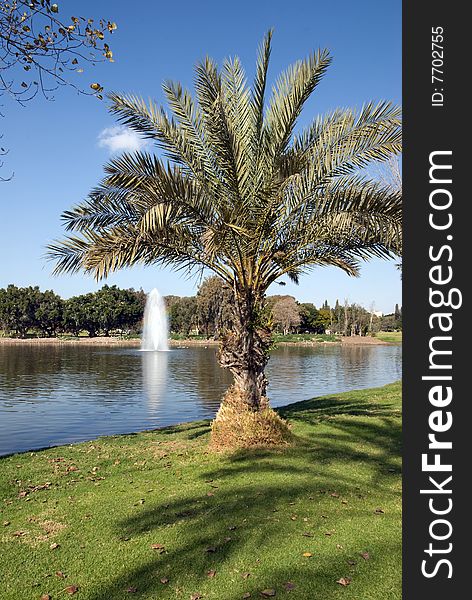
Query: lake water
[54, 394]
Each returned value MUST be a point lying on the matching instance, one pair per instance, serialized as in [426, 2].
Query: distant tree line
[28, 310]
[347, 319]
[111, 310]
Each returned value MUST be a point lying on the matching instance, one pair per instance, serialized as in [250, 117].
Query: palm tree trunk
[245, 352]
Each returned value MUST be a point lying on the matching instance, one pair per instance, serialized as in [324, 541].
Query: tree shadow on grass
[241, 505]
[375, 443]
[233, 531]
[320, 409]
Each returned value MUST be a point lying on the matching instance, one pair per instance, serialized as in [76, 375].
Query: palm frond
[292, 90]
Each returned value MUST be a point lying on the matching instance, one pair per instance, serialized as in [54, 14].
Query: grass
[394, 337]
[228, 525]
[190, 336]
[305, 337]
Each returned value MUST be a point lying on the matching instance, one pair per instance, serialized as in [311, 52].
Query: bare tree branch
[41, 51]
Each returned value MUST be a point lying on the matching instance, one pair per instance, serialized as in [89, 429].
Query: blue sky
[57, 156]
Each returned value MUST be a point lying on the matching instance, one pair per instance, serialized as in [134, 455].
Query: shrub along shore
[156, 515]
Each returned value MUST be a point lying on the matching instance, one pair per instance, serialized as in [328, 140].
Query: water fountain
[155, 326]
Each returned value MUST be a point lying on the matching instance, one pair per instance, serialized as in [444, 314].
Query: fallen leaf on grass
[71, 589]
[232, 527]
[196, 597]
[211, 573]
[6, 523]
[344, 581]
[37, 488]
[210, 549]
[339, 547]
[158, 547]
[60, 574]
[19, 533]
[289, 586]
[365, 555]
[54, 546]
[210, 494]
[308, 554]
[132, 590]
[246, 595]
[269, 593]
[45, 597]
[351, 563]
[334, 495]
[245, 575]
[379, 511]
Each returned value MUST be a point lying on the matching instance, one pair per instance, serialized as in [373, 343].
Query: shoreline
[180, 424]
[132, 343]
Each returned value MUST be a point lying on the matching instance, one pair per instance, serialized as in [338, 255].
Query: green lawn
[305, 337]
[394, 337]
[87, 515]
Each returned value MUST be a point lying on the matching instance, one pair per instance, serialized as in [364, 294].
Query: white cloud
[120, 139]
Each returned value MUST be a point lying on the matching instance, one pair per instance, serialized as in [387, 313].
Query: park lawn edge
[319, 519]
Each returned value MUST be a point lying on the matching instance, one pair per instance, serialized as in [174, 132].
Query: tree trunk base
[237, 425]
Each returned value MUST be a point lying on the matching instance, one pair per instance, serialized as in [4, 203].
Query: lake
[58, 394]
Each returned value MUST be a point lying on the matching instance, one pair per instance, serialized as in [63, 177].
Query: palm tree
[240, 194]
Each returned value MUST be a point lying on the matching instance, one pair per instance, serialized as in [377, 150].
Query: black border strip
[429, 128]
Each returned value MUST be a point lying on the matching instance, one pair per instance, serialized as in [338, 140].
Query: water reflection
[154, 366]
[60, 394]
[196, 374]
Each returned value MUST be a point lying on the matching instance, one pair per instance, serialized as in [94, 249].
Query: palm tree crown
[241, 193]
